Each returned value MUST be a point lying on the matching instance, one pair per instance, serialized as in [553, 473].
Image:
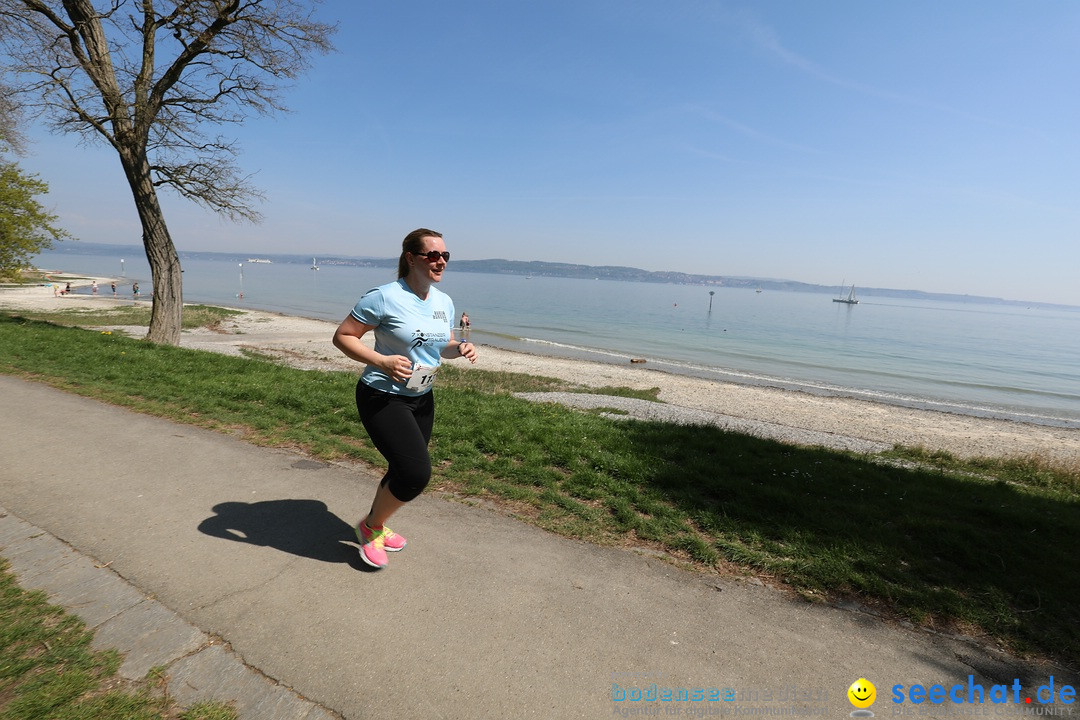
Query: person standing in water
[412, 322]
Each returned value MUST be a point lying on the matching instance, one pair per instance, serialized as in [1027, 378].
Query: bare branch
[98, 70]
[213, 184]
[11, 138]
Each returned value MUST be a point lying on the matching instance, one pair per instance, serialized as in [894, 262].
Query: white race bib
[422, 377]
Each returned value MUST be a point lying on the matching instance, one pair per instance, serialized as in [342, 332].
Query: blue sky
[921, 144]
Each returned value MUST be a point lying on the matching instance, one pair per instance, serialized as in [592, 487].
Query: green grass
[25, 276]
[195, 316]
[48, 670]
[982, 546]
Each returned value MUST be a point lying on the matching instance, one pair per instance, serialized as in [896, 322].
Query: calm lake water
[1004, 361]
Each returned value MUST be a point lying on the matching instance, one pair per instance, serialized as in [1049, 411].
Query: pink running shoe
[392, 542]
[372, 545]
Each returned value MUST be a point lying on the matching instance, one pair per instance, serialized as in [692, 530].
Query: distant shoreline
[306, 343]
[547, 348]
[541, 348]
[569, 270]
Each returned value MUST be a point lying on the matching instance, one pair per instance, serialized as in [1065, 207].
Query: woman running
[413, 325]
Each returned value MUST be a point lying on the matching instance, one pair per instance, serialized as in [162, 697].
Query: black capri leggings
[400, 427]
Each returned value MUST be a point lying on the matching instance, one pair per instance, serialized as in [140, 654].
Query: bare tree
[149, 77]
[11, 137]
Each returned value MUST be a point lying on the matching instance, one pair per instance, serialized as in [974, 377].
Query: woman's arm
[347, 340]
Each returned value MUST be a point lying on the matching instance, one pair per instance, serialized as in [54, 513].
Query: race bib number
[422, 377]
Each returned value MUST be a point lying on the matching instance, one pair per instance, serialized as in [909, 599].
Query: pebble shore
[777, 413]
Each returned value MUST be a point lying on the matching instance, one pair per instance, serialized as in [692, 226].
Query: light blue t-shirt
[406, 325]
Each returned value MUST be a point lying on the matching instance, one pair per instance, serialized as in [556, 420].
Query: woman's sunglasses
[434, 255]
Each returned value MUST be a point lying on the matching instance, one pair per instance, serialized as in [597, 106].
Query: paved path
[235, 566]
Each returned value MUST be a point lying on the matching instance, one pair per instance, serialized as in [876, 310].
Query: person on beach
[412, 322]
[464, 325]
[114, 289]
[93, 287]
[135, 290]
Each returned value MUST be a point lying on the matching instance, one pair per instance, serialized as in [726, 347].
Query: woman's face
[424, 268]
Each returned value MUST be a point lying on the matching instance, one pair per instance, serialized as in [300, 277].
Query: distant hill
[615, 272]
[588, 272]
[537, 268]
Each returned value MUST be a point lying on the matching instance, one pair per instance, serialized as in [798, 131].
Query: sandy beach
[785, 414]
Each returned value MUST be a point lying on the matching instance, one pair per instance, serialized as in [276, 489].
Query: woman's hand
[467, 351]
[398, 367]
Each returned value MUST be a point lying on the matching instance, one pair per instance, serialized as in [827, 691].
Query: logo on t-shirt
[438, 315]
[428, 338]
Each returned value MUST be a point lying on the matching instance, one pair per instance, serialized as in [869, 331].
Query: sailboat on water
[850, 299]
[314, 265]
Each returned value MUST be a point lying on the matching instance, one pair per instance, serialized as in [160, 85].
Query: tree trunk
[166, 313]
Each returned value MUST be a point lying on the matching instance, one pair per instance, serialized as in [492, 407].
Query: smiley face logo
[862, 693]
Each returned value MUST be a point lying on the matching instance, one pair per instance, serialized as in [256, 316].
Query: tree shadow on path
[305, 528]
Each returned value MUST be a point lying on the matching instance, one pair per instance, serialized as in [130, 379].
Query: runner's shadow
[300, 527]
